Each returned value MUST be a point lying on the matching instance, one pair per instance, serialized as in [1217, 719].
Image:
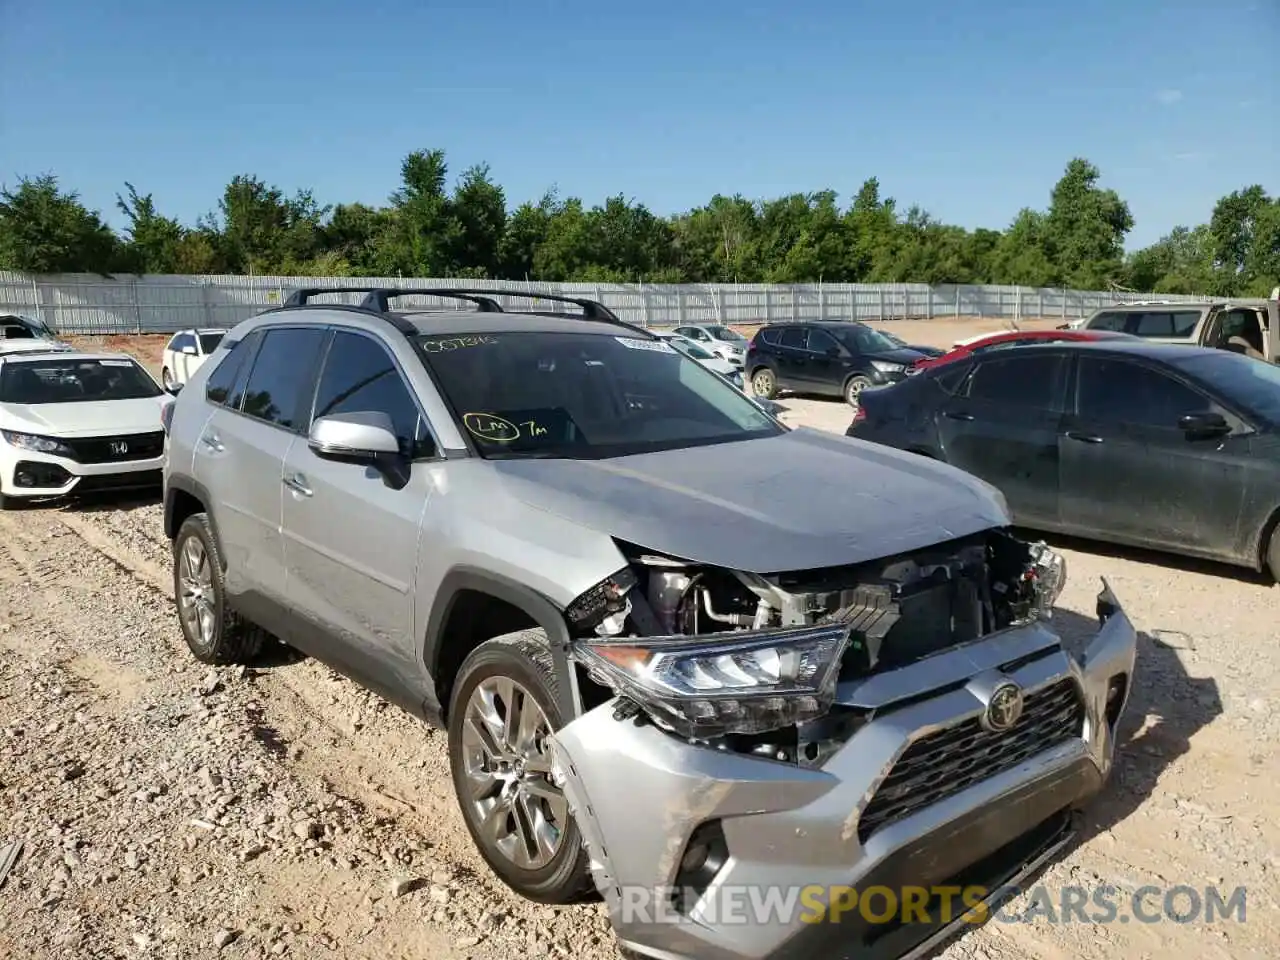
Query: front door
[1002, 425]
[1129, 472]
[350, 537]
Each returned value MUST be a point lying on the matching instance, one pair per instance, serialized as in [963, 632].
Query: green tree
[46, 230]
[1085, 229]
[154, 243]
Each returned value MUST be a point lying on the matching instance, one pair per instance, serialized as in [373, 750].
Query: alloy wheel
[196, 592]
[506, 758]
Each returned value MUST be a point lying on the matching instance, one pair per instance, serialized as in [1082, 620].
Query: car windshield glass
[691, 349]
[585, 396]
[209, 342]
[726, 333]
[61, 380]
[1254, 384]
[893, 338]
[862, 339]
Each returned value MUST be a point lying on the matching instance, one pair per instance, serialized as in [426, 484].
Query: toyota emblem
[1004, 708]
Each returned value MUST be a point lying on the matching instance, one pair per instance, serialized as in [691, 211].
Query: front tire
[214, 632]
[853, 389]
[1273, 555]
[502, 714]
[764, 383]
[166, 378]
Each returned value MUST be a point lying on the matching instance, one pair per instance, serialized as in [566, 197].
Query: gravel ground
[170, 810]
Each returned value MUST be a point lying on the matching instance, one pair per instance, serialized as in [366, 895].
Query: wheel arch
[185, 497]
[473, 606]
[1269, 532]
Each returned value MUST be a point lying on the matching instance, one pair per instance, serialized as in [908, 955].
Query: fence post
[928, 303]
[880, 291]
[1064, 303]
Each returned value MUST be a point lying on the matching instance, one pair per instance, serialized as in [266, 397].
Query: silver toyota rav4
[682, 651]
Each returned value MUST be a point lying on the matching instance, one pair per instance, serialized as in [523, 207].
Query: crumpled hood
[798, 501]
[86, 419]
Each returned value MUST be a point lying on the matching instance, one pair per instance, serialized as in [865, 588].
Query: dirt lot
[169, 810]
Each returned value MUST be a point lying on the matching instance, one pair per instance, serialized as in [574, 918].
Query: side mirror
[1204, 425]
[362, 437]
[173, 389]
[832, 351]
[771, 407]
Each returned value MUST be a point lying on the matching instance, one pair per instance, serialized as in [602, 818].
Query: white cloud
[1169, 97]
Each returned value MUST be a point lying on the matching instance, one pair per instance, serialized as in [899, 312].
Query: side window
[279, 386]
[952, 375]
[794, 338]
[360, 376]
[1165, 323]
[218, 388]
[1018, 382]
[821, 342]
[1116, 391]
[769, 335]
[1110, 321]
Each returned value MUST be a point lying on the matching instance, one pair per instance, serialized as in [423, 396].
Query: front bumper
[26, 473]
[785, 832]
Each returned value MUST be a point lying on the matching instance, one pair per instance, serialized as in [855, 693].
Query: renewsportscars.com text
[1102, 904]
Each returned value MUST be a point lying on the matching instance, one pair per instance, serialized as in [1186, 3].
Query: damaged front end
[814, 727]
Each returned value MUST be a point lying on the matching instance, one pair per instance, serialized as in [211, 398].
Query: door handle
[1084, 437]
[298, 484]
[213, 442]
[959, 415]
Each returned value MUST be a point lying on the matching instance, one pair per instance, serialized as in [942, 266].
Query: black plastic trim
[541, 610]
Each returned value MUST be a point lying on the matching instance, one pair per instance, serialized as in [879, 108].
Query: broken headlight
[717, 684]
[1049, 572]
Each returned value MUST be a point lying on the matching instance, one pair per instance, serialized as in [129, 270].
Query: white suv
[185, 352]
[82, 422]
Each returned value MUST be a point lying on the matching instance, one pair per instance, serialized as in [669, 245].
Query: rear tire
[214, 632]
[764, 383]
[854, 388]
[1273, 555]
[517, 666]
[166, 378]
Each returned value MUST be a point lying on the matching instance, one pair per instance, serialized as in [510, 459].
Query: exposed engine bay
[751, 662]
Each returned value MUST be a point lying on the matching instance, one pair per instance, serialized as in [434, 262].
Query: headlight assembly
[716, 684]
[36, 443]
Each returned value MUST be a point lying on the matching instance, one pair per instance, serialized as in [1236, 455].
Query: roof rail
[302, 296]
[379, 298]
[591, 309]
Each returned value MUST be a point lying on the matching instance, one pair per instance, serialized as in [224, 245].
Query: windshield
[585, 396]
[862, 339]
[59, 380]
[209, 342]
[1254, 384]
[893, 338]
[690, 349]
[727, 334]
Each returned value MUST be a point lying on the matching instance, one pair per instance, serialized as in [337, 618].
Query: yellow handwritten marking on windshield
[456, 343]
[533, 428]
[488, 427]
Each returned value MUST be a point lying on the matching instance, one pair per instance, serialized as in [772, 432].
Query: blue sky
[970, 108]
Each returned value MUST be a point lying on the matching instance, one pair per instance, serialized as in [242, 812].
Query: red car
[1018, 338]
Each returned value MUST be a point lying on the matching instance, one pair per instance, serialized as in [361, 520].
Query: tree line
[433, 228]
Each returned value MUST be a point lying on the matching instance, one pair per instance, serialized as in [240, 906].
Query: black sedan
[1171, 447]
[832, 357]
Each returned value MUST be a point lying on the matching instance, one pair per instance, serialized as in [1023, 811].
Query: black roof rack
[377, 300]
[302, 296]
[380, 298]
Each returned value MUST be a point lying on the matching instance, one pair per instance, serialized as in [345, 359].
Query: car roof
[436, 322]
[35, 356]
[1147, 349]
[1148, 304]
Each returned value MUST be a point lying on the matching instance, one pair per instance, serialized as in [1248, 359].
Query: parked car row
[622, 586]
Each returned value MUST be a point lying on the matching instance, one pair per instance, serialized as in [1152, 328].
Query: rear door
[240, 455]
[1130, 473]
[1003, 424]
[790, 355]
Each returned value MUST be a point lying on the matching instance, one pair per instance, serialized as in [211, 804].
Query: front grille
[940, 765]
[117, 449]
[111, 482]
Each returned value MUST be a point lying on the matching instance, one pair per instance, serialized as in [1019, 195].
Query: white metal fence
[86, 303]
